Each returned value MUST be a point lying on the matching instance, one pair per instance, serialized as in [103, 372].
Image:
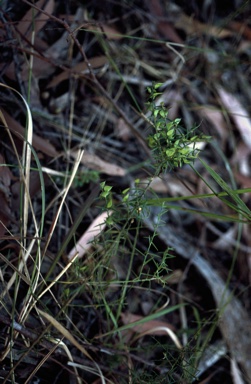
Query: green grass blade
[240, 207]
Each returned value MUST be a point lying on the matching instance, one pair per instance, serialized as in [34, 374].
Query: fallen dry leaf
[215, 118]
[45, 64]
[124, 132]
[38, 142]
[173, 99]
[241, 28]
[169, 184]
[112, 32]
[35, 20]
[192, 26]
[151, 327]
[128, 318]
[241, 157]
[243, 180]
[238, 113]
[226, 239]
[95, 62]
[94, 162]
[32, 20]
[163, 26]
[236, 373]
[85, 242]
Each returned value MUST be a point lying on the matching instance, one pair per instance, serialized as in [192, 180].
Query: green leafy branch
[172, 145]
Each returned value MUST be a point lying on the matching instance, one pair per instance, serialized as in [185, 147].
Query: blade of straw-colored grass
[27, 252]
[86, 368]
[73, 229]
[41, 363]
[26, 159]
[74, 171]
[68, 353]
[25, 178]
[57, 277]
[161, 331]
[69, 337]
[29, 301]
[57, 343]
[41, 178]
[37, 235]
[12, 266]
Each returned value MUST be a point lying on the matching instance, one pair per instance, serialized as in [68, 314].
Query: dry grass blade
[41, 363]
[79, 156]
[161, 331]
[64, 270]
[72, 340]
[25, 171]
[20, 274]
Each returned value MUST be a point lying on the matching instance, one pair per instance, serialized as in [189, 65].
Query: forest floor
[125, 184]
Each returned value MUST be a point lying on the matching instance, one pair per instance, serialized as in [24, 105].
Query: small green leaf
[157, 85]
[155, 113]
[170, 152]
[125, 191]
[109, 203]
[104, 194]
[163, 113]
[107, 188]
[109, 220]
